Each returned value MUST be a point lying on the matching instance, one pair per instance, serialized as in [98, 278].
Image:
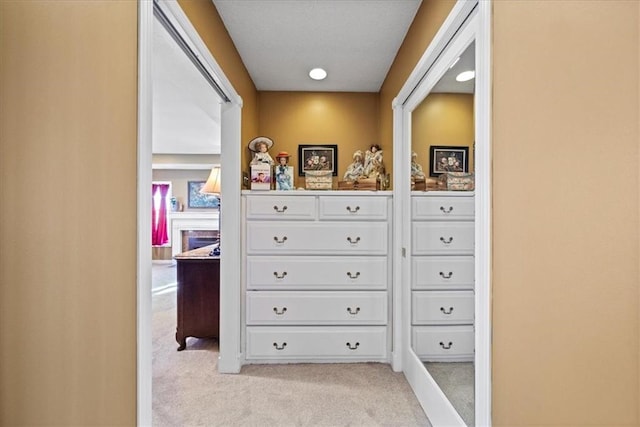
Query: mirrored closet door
[437, 129]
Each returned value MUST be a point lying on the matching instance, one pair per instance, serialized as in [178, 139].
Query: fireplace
[194, 239]
[194, 224]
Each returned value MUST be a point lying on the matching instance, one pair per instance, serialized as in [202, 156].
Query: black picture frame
[310, 158]
[198, 200]
[448, 158]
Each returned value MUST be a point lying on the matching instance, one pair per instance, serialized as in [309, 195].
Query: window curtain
[159, 232]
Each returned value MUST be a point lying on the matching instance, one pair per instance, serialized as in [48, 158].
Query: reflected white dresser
[316, 276]
[442, 263]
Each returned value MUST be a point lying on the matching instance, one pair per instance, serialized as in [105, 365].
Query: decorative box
[359, 184]
[318, 180]
[261, 176]
[458, 181]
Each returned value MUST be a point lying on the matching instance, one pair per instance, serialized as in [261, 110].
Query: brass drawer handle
[442, 309]
[352, 312]
[353, 242]
[446, 241]
[353, 347]
[280, 241]
[446, 276]
[357, 208]
[279, 312]
[277, 209]
[353, 276]
[442, 208]
[279, 276]
[446, 347]
[279, 347]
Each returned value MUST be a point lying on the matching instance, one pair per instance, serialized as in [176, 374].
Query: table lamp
[212, 186]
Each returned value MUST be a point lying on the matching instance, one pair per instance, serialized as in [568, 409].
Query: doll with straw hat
[260, 147]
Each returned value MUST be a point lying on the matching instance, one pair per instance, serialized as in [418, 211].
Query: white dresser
[316, 276]
[442, 263]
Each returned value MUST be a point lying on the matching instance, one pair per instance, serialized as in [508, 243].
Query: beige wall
[442, 119]
[68, 178]
[565, 223]
[349, 120]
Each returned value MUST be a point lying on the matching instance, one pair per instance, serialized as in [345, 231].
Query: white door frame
[229, 359]
[478, 27]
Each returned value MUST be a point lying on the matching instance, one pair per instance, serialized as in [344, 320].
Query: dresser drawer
[316, 307]
[300, 238]
[353, 208]
[309, 272]
[439, 238]
[309, 342]
[442, 307]
[281, 207]
[443, 272]
[444, 343]
[444, 208]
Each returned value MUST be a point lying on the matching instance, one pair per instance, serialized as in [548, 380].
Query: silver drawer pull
[442, 239]
[352, 312]
[277, 209]
[353, 347]
[357, 208]
[279, 276]
[446, 276]
[443, 209]
[446, 347]
[442, 309]
[353, 242]
[353, 276]
[279, 347]
[279, 312]
[281, 241]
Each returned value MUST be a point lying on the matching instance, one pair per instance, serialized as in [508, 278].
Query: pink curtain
[159, 232]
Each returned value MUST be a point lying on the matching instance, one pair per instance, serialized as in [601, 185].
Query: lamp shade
[212, 186]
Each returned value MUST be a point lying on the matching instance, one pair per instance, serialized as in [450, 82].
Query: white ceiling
[448, 83]
[356, 41]
[186, 110]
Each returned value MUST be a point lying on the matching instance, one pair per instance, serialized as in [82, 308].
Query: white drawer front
[281, 207]
[449, 343]
[443, 272]
[299, 238]
[443, 208]
[316, 307]
[353, 208]
[439, 238]
[308, 272]
[442, 307]
[308, 342]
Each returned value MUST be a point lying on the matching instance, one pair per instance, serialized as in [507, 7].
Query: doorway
[230, 191]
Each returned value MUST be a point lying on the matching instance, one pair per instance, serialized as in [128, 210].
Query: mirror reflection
[442, 145]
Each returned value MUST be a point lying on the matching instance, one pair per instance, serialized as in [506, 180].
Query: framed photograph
[284, 177]
[197, 200]
[317, 158]
[448, 159]
[261, 176]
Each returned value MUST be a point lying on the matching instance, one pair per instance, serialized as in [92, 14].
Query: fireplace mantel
[190, 220]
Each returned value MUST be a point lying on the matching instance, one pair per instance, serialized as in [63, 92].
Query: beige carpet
[189, 391]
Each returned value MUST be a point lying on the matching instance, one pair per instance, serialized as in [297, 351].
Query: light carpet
[189, 391]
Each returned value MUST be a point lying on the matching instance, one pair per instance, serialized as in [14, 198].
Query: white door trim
[229, 359]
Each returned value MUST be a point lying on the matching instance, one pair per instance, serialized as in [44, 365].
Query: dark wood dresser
[198, 302]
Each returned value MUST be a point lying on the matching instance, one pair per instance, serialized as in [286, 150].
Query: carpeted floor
[189, 391]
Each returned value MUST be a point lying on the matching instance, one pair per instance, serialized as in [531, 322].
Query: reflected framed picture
[197, 200]
[317, 158]
[448, 158]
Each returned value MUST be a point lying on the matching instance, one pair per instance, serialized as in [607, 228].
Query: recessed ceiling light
[466, 76]
[318, 74]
